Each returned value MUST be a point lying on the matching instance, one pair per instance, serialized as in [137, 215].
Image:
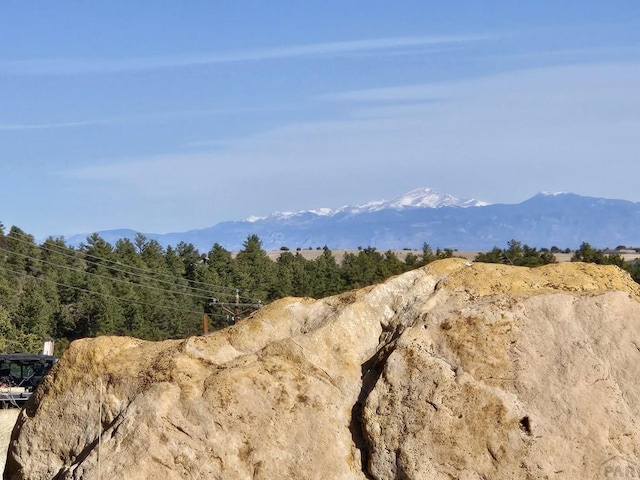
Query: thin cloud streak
[86, 66]
[609, 76]
[47, 126]
[8, 127]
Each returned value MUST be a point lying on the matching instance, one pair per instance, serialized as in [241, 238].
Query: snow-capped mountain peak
[419, 198]
[552, 194]
[426, 197]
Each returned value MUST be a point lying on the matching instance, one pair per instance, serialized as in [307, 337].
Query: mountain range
[423, 215]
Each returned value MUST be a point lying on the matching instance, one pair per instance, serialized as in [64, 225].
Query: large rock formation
[457, 370]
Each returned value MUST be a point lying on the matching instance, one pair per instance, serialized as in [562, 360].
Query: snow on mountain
[426, 197]
[552, 194]
[418, 198]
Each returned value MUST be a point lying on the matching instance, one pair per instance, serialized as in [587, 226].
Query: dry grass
[339, 254]
[402, 254]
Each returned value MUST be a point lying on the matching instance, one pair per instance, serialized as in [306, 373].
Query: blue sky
[168, 116]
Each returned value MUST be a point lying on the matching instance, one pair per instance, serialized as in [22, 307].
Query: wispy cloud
[556, 124]
[145, 117]
[47, 126]
[404, 93]
[600, 76]
[91, 66]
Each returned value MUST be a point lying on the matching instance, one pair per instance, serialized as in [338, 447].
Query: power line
[210, 291]
[107, 295]
[113, 279]
[144, 271]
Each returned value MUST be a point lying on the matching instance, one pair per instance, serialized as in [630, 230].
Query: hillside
[455, 370]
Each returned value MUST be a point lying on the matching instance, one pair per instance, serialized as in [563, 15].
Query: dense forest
[139, 288]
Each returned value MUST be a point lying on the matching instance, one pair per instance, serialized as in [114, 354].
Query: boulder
[456, 370]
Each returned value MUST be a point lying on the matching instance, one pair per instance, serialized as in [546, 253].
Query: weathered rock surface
[7, 421]
[457, 370]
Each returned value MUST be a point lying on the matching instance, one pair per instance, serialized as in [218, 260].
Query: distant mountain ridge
[424, 215]
[418, 198]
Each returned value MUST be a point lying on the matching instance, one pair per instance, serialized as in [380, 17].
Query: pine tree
[327, 271]
[254, 271]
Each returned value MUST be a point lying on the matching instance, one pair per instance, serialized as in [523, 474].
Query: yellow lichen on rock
[484, 279]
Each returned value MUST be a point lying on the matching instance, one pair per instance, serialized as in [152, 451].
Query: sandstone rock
[7, 421]
[456, 370]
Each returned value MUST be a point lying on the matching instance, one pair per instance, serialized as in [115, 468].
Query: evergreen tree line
[139, 288]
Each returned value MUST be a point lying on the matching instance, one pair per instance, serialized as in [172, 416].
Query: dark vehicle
[20, 374]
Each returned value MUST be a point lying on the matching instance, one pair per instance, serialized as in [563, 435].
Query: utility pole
[205, 323]
[236, 310]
